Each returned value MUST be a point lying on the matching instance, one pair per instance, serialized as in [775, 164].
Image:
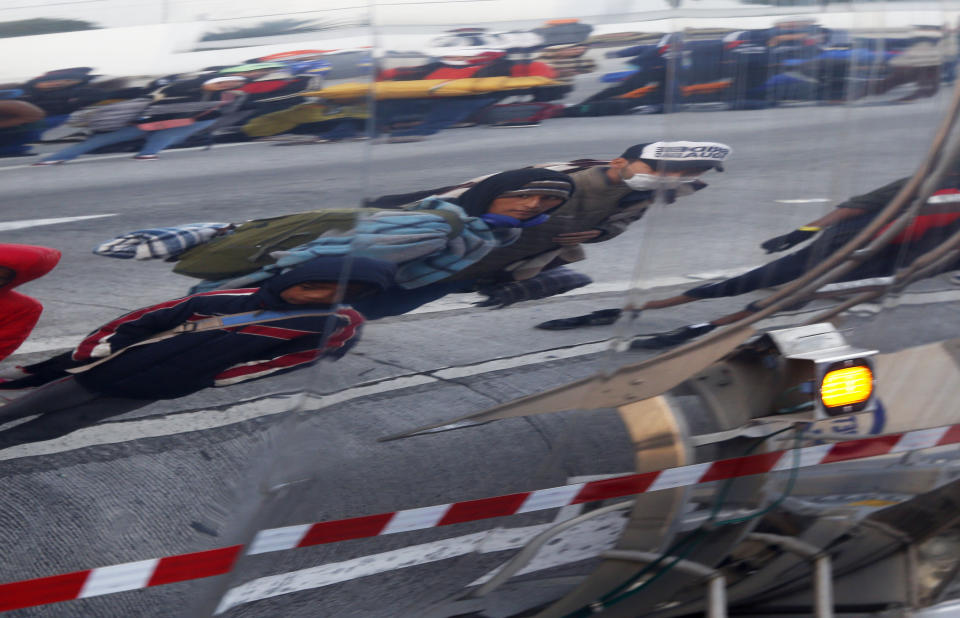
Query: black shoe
[597, 318]
[671, 337]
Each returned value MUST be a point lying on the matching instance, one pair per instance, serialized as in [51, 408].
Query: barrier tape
[184, 567]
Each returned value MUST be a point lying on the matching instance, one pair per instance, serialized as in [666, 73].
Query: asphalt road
[196, 473]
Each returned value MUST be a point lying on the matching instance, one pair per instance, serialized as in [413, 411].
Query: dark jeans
[64, 406]
[397, 300]
[791, 267]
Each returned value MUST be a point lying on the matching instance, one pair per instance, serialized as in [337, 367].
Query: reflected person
[937, 220]
[609, 196]
[291, 322]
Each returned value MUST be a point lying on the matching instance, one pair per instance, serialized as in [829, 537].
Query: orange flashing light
[847, 386]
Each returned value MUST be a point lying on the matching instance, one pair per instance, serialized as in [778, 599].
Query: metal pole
[716, 584]
[717, 597]
[822, 577]
[822, 587]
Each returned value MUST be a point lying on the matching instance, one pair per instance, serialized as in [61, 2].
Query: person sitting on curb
[175, 348]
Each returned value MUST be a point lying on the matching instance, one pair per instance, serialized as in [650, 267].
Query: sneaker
[671, 337]
[145, 157]
[602, 317]
[51, 162]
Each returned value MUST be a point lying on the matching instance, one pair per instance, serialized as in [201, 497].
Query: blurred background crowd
[469, 77]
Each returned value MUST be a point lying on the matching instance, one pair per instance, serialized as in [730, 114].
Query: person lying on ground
[609, 197]
[937, 220]
[18, 265]
[429, 242]
[185, 345]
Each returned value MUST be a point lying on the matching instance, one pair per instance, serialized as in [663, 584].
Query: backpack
[111, 116]
[248, 248]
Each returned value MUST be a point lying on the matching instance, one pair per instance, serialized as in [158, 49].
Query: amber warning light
[847, 387]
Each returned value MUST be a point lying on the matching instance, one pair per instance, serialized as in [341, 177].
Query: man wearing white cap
[609, 196]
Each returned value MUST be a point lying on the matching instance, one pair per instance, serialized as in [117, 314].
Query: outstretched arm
[146, 322]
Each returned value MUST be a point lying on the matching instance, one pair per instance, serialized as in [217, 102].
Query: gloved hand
[784, 242]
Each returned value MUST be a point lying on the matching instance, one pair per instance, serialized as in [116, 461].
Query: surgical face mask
[653, 182]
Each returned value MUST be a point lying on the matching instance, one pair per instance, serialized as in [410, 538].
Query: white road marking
[490, 541]
[201, 420]
[581, 542]
[62, 343]
[535, 358]
[127, 155]
[812, 200]
[26, 223]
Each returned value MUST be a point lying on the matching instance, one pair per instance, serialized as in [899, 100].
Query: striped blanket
[161, 242]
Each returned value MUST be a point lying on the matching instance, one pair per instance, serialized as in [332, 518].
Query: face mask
[652, 182]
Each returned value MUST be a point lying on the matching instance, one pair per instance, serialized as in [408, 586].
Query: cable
[791, 482]
[695, 537]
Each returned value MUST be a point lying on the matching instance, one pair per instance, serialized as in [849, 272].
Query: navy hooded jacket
[190, 362]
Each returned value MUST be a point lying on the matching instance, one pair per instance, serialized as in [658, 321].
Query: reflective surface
[676, 173]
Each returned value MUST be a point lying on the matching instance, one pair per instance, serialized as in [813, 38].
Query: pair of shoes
[145, 157]
[51, 162]
[671, 337]
[602, 317]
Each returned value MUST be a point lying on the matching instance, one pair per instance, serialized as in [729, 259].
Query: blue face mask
[507, 221]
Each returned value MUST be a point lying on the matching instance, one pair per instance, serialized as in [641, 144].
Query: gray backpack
[109, 117]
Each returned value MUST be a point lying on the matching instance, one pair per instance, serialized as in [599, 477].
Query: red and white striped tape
[118, 578]
[305, 535]
[156, 572]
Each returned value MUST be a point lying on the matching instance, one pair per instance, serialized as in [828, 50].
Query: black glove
[784, 242]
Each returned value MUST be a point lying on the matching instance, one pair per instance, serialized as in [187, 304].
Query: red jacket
[19, 313]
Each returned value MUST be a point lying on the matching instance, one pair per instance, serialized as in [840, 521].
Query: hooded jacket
[20, 313]
[189, 362]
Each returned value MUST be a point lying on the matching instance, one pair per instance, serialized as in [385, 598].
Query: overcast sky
[137, 12]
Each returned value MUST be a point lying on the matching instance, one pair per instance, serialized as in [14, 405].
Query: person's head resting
[666, 165]
[326, 281]
[517, 198]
